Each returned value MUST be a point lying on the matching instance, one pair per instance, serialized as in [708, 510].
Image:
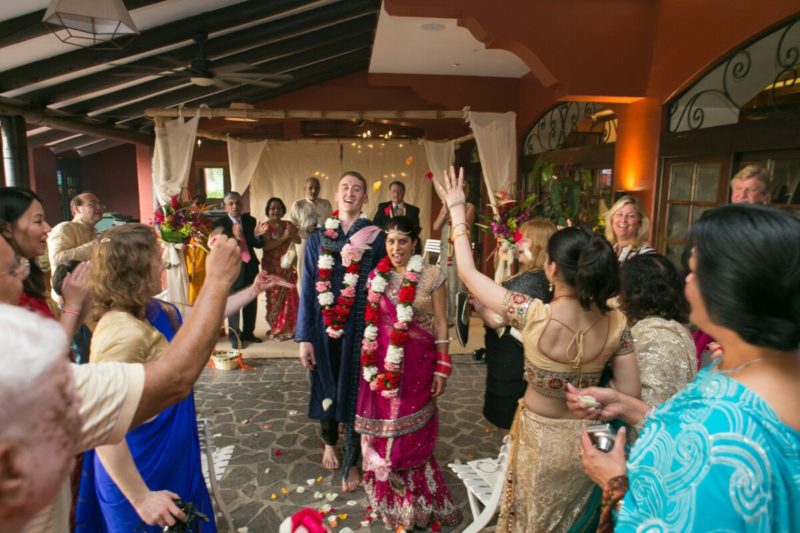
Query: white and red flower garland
[334, 316]
[388, 381]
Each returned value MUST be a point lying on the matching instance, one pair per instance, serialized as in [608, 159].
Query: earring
[550, 286]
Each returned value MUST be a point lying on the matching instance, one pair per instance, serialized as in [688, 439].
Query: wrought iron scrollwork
[718, 97]
[551, 131]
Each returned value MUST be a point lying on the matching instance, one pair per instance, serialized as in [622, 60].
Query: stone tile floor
[262, 412]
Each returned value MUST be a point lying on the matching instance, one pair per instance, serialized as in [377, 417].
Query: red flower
[324, 274]
[518, 236]
[407, 294]
[353, 268]
[385, 266]
[372, 314]
[335, 214]
[278, 453]
[428, 175]
[436, 527]
[398, 338]
[173, 202]
[387, 210]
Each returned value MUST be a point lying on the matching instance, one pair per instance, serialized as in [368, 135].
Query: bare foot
[329, 458]
[353, 480]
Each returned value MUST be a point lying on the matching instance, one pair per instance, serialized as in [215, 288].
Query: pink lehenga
[282, 303]
[403, 481]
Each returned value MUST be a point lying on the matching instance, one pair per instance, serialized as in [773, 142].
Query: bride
[405, 365]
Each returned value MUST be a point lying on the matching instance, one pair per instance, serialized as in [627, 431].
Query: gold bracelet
[457, 224]
[460, 234]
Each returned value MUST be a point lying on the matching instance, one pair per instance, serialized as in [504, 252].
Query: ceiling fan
[203, 72]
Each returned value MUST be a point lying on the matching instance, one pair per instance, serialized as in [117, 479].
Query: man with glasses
[74, 240]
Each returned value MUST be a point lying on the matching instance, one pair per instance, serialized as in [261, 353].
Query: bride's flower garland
[388, 381]
[334, 317]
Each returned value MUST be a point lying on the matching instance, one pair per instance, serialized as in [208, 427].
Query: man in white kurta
[308, 214]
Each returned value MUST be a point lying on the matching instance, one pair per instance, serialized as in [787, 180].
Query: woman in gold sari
[566, 341]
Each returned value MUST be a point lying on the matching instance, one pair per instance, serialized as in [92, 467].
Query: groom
[330, 321]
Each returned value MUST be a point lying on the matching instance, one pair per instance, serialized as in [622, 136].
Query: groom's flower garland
[334, 317]
[388, 381]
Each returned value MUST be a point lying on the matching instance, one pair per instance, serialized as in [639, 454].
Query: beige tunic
[69, 241]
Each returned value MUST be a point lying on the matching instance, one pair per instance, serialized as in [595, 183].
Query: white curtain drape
[285, 166]
[244, 158]
[174, 258]
[172, 157]
[495, 135]
[440, 157]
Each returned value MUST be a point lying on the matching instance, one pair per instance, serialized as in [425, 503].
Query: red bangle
[70, 312]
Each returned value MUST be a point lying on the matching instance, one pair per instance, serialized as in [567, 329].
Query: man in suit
[396, 207]
[242, 227]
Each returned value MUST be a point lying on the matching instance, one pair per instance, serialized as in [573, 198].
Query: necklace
[334, 316]
[563, 296]
[746, 364]
[388, 381]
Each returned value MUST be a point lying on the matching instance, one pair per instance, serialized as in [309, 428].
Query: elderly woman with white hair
[627, 226]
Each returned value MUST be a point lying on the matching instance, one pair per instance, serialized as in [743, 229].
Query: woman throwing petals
[569, 340]
[405, 364]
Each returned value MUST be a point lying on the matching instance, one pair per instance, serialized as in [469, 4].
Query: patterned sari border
[376, 427]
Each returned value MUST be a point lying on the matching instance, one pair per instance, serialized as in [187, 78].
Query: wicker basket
[227, 359]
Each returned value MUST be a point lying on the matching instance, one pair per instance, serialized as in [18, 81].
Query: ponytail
[597, 278]
[587, 263]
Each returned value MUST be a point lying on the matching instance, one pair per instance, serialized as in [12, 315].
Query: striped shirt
[110, 395]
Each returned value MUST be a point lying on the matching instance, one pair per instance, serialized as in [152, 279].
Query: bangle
[456, 203]
[441, 341]
[457, 224]
[70, 312]
[460, 234]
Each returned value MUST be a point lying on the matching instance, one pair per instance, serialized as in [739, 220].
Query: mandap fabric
[166, 451]
[281, 302]
[399, 434]
[715, 445]
[342, 390]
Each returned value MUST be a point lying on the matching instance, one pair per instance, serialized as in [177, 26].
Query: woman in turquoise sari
[724, 453]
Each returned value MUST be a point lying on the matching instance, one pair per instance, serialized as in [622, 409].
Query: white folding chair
[432, 246]
[213, 462]
[484, 480]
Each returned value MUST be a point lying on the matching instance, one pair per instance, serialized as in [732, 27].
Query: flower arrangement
[388, 381]
[178, 221]
[511, 214]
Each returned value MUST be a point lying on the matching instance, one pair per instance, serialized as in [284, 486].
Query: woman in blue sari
[135, 482]
[724, 453]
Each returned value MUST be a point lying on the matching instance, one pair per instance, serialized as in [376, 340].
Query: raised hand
[224, 260]
[454, 187]
[260, 229]
[265, 281]
[75, 288]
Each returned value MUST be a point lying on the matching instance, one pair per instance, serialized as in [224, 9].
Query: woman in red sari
[405, 365]
[280, 259]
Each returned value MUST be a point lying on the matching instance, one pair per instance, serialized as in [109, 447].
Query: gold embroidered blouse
[431, 279]
[547, 376]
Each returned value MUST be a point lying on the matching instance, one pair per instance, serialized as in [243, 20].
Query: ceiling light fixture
[90, 22]
[241, 106]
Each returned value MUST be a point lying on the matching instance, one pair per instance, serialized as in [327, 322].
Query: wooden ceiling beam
[187, 95]
[305, 48]
[47, 137]
[152, 39]
[273, 33]
[283, 114]
[53, 119]
[30, 25]
[71, 144]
